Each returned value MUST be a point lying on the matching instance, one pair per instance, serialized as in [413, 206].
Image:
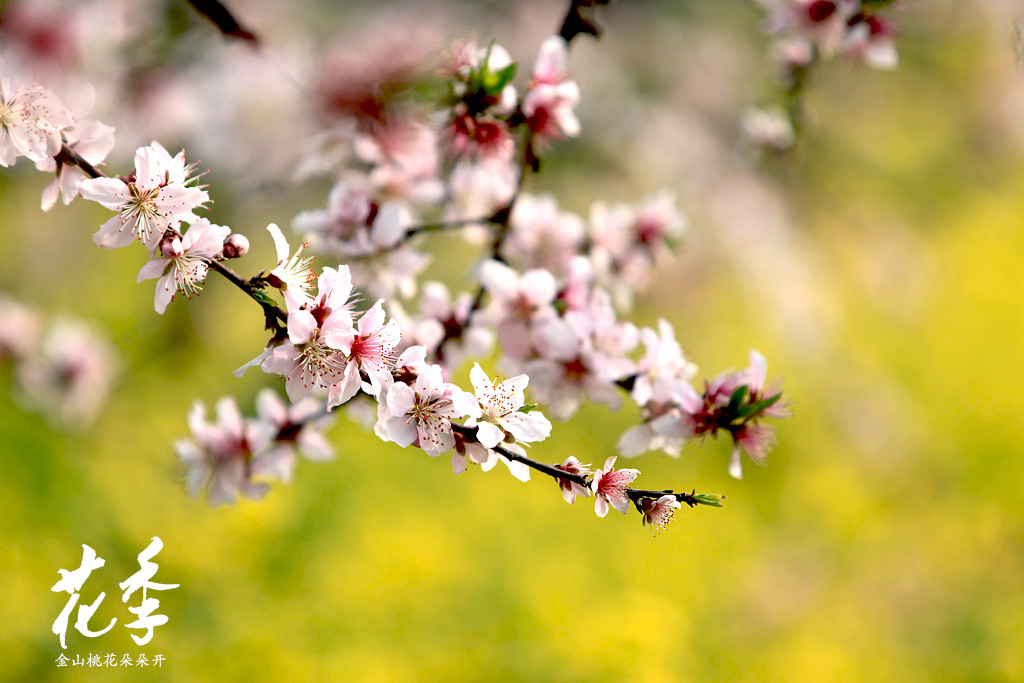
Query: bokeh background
[879, 268]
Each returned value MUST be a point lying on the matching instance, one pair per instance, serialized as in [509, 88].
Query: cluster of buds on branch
[553, 287]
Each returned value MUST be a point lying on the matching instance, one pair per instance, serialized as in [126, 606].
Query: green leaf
[710, 499]
[528, 407]
[737, 398]
[479, 74]
[263, 297]
[493, 83]
[758, 406]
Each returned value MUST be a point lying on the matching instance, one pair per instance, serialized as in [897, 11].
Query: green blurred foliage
[883, 541]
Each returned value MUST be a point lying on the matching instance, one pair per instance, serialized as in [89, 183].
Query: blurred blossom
[223, 103]
[473, 136]
[551, 97]
[234, 456]
[479, 188]
[807, 29]
[442, 327]
[768, 128]
[793, 54]
[869, 39]
[663, 368]
[325, 152]
[517, 304]
[628, 242]
[364, 78]
[404, 153]
[71, 374]
[218, 457]
[43, 33]
[581, 356]
[297, 428]
[20, 328]
[31, 117]
[541, 236]
[821, 22]
[667, 400]
[389, 273]
[353, 224]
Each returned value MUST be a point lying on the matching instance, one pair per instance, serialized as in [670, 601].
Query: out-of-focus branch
[580, 19]
[501, 217]
[223, 19]
[444, 225]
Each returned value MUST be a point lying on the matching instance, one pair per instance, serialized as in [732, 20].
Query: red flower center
[539, 120]
[487, 132]
[820, 10]
[575, 369]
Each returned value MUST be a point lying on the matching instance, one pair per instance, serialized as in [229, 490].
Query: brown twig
[223, 19]
[579, 19]
[635, 495]
[441, 226]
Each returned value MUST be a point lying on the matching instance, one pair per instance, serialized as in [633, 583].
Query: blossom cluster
[806, 32]
[810, 29]
[155, 204]
[64, 369]
[388, 159]
[484, 105]
[236, 456]
[672, 412]
[553, 287]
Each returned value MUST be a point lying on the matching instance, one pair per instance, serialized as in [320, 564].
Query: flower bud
[170, 245]
[236, 245]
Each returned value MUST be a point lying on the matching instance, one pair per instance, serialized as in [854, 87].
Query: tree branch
[502, 216]
[444, 225]
[579, 19]
[635, 495]
[70, 157]
[223, 19]
[274, 315]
